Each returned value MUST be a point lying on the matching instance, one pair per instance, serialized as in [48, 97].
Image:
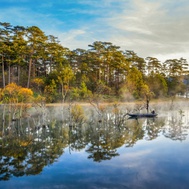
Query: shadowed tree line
[33, 60]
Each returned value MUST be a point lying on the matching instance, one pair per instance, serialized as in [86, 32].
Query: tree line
[32, 60]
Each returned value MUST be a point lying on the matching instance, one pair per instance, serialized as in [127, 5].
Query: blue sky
[157, 28]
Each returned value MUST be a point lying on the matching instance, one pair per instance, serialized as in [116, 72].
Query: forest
[36, 66]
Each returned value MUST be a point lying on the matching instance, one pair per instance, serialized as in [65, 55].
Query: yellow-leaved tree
[17, 99]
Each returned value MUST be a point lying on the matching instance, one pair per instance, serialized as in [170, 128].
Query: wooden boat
[147, 115]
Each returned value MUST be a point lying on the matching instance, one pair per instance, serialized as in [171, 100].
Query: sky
[155, 28]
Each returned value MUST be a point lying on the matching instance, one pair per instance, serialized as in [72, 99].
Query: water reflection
[26, 149]
[31, 143]
[176, 126]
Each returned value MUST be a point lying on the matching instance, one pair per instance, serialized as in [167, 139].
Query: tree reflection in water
[27, 148]
[29, 144]
[176, 126]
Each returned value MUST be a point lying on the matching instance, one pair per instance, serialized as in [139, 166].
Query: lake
[99, 147]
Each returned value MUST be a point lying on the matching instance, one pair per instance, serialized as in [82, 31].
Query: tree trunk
[45, 68]
[18, 77]
[147, 105]
[9, 77]
[33, 66]
[3, 71]
[29, 72]
[51, 64]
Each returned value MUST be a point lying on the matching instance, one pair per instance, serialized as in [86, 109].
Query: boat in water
[144, 115]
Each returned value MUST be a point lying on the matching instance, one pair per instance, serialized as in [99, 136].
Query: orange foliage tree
[17, 98]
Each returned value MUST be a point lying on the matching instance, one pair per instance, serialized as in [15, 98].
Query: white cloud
[72, 39]
[151, 28]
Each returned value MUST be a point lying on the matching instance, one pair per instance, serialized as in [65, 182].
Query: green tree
[56, 53]
[136, 61]
[147, 95]
[176, 70]
[175, 86]
[108, 63]
[50, 91]
[176, 67]
[19, 54]
[35, 46]
[153, 65]
[64, 77]
[157, 84]
[135, 82]
[5, 48]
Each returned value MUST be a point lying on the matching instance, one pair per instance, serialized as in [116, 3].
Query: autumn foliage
[13, 93]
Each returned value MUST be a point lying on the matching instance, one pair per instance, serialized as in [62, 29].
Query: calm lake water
[105, 149]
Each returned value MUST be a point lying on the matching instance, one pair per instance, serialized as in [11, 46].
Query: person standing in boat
[153, 112]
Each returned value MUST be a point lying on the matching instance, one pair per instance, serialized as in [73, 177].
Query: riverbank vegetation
[36, 67]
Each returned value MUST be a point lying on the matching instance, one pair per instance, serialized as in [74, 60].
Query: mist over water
[96, 146]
